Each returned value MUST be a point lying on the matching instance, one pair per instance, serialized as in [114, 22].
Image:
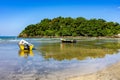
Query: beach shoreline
[74, 37]
[109, 73]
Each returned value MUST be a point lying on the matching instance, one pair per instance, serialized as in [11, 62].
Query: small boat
[68, 41]
[24, 45]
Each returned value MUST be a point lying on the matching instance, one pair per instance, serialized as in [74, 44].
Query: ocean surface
[53, 60]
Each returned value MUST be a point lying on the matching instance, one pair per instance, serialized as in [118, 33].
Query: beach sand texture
[110, 73]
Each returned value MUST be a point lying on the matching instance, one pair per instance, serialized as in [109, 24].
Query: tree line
[67, 26]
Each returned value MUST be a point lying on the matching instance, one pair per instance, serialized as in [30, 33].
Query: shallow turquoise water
[16, 66]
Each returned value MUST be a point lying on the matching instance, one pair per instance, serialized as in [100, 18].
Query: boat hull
[68, 41]
[23, 47]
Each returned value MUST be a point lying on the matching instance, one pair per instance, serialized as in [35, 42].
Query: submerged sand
[110, 73]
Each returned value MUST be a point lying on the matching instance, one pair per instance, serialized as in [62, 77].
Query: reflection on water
[79, 51]
[56, 61]
[25, 53]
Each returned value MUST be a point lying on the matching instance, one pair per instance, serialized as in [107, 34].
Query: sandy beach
[109, 73]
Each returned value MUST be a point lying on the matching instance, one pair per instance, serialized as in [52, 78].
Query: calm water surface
[53, 60]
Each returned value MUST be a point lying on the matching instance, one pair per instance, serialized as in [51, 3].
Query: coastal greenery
[67, 26]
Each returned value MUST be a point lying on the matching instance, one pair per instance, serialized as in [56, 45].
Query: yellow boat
[24, 45]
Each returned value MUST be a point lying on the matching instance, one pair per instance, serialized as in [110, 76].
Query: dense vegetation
[68, 26]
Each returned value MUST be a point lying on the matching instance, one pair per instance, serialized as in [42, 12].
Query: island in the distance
[67, 26]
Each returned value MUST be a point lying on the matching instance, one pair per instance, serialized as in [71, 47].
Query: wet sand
[109, 73]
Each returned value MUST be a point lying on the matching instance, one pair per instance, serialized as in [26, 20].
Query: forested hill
[68, 26]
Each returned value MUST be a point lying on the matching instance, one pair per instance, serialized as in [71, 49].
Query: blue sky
[15, 15]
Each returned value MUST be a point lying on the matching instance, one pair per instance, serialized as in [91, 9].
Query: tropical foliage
[68, 26]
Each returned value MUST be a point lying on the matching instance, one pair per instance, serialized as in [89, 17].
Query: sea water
[52, 60]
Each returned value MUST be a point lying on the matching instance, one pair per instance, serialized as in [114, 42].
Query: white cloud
[119, 7]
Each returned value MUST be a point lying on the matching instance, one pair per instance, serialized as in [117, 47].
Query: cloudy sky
[15, 15]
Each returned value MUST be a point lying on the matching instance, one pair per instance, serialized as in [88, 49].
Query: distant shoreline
[72, 37]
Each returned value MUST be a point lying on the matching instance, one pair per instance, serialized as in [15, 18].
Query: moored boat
[68, 41]
[24, 45]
